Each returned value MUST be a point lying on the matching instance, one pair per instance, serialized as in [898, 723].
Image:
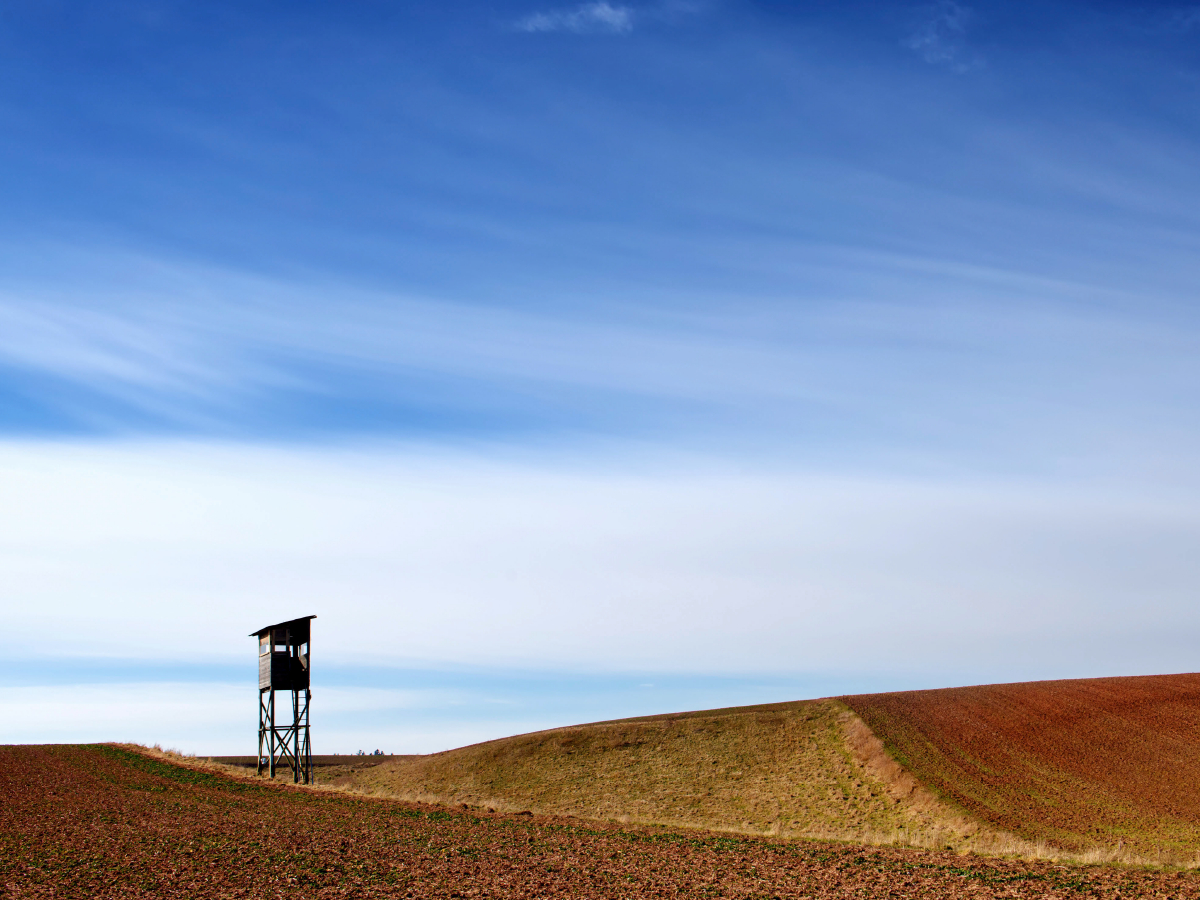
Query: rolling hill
[1097, 768]
[808, 769]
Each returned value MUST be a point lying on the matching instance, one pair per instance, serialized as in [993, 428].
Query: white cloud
[940, 36]
[1183, 19]
[172, 554]
[216, 351]
[670, 567]
[599, 17]
[178, 716]
[220, 719]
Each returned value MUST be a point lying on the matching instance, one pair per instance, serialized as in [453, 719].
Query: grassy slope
[1104, 768]
[1097, 762]
[782, 769]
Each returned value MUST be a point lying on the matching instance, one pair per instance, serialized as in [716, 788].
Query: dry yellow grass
[804, 769]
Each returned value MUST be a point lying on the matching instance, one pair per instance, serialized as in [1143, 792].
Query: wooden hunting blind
[284, 664]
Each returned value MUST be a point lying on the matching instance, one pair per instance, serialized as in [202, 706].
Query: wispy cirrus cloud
[940, 35]
[599, 17]
[1184, 19]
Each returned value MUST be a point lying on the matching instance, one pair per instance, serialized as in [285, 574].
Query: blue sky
[757, 350]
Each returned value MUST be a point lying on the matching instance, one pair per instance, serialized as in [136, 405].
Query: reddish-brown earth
[1110, 761]
[101, 822]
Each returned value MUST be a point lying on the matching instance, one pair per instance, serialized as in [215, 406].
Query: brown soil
[107, 823]
[1108, 762]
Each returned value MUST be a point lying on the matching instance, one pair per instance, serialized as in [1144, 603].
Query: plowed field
[1108, 761]
[100, 822]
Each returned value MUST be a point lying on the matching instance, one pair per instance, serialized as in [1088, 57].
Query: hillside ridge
[913, 767]
[794, 769]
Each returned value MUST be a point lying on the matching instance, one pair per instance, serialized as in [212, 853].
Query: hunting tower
[284, 662]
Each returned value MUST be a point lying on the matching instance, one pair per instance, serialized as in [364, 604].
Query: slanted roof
[289, 622]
